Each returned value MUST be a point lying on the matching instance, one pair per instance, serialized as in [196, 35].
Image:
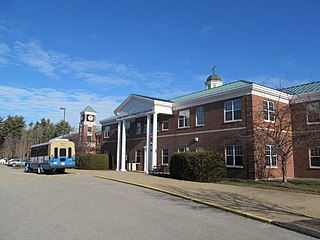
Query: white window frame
[183, 149]
[200, 110]
[165, 155]
[270, 156]
[184, 116]
[316, 104]
[232, 110]
[268, 111]
[138, 155]
[235, 153]
[165, 120]
[138, 128]
[318, 150]
[127, 127]
[107, 132]
[90, 130]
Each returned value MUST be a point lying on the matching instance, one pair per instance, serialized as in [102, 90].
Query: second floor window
[89, 129]
[165, 123]
[138, 128]
[107, 132]
[268, 111]
[127, 128]
[313, 113]
[232, 110]
[184, 118]
[200, 116]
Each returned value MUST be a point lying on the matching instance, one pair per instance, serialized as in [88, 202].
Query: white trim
[202, 132]
[309, 150]
[271, 166]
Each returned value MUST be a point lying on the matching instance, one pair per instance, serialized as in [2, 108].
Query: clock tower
[87, 129]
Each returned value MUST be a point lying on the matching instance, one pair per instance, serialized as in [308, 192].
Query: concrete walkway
[295, 211]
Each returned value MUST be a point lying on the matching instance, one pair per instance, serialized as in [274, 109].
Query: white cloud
[34, 56]
[36, 103]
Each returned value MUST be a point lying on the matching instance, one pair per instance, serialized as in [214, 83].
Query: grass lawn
[311, 186]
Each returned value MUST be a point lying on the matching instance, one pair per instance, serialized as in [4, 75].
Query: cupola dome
[213, 80]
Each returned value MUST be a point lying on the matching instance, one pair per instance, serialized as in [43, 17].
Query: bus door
[63, 155]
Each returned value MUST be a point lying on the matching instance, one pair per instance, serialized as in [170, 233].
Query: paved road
[75, 206]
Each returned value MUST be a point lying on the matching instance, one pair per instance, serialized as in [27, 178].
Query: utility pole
[64, 120]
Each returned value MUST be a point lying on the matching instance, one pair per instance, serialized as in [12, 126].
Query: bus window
[55, 152]
[69, 152]
[63, 152]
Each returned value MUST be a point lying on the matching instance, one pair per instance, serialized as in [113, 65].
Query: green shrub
[198, 166]
[93, 161]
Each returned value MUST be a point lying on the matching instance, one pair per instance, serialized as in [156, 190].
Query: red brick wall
[306, 136]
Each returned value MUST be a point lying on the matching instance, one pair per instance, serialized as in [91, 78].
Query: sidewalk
[296, 211]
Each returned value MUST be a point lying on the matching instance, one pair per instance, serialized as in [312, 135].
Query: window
[184, 119]
[200, 116]
[56, 152]
[234, 155]
[138, 156]
[183, 149]
[314, 157]
[165, 156]
[63, 152]
[89, 129]
[165, 123]
[313, 113]
[199, 148]
[138, 128]
[89, 138]
[127, 128]
[232, 110]
[271, 156]
[107, 132]
[69, 152]
[268, 111]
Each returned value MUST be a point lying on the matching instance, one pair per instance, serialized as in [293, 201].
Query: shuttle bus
[53, 156]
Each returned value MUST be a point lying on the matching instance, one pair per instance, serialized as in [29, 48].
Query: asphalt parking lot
[77, 205]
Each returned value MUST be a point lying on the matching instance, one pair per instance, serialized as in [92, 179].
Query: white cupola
[213, 80]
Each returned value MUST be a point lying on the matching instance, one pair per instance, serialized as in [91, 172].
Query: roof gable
[88, 109]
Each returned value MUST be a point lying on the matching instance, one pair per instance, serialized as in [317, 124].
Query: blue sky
[76, 53]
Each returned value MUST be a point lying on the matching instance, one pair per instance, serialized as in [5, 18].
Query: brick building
[146, 131]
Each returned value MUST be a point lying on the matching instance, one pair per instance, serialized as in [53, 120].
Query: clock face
[90, 118]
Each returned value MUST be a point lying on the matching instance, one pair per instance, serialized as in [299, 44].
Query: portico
[137, 106]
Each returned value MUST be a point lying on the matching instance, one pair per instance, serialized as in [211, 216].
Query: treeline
[16, 136]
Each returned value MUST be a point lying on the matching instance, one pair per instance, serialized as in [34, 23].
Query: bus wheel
[60, 170]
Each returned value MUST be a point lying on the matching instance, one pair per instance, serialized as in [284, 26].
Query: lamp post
[64, 120]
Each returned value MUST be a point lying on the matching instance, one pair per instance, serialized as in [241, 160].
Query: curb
[231, 210]
[288, 226]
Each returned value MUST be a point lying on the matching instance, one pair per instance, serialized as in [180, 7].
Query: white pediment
[136, 105]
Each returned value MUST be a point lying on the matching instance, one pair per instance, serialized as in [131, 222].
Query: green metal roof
[151, 98]
[304, 88]
[88, 109]
[223, 88]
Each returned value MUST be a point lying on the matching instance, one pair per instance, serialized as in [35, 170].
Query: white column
[123, 147]
[154, 139]
[147, 157]
[118, 146]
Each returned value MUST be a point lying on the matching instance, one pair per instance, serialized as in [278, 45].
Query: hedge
[198, 166]
[94, 161]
